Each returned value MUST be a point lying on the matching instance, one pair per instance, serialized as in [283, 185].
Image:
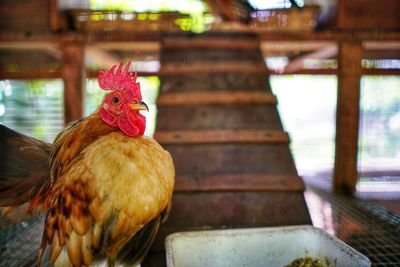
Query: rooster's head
[121, 106]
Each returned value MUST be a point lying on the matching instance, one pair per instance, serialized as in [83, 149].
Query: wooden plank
[224, 210]
[142, 46]
[215, 159]
[214, 42]
[211, 56]
[221, 136]
[24, 16]
[236, 209]
[211, 97]
[276, 47]
[239, 182]
[381, 72]
[30, 75]
[216, 81]
[43, 37]
[264, 35]
[44, 45]
[368, 14]
[202, 117]
[73, 75]
[119, 36]
[382, 54]
[39, 74]
[116, 36]
[212, 67]
[347, 117]
[37, 37]
[304, 71]
[54, 22]
[95, 73]
[327, 35]
[297, 63]
[381, 45]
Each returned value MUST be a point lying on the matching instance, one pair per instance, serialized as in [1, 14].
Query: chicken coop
[276, 113]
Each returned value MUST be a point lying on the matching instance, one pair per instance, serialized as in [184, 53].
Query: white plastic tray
[259, 247]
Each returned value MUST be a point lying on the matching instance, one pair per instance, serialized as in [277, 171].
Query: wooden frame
[221, 136]
[73, 75]
[239, 182]
[224, 98]
[347, 117]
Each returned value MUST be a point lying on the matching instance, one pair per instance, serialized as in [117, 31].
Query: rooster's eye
[115, 100]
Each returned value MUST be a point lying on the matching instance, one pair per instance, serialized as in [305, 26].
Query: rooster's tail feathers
[24, 168]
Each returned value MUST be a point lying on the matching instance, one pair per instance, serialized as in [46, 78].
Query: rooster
[105, 187]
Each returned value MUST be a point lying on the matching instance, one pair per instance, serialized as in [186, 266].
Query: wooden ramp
[217, 117]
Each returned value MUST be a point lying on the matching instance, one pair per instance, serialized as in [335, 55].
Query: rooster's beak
[139, 105]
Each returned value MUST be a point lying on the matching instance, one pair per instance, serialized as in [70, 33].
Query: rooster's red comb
[119, 79]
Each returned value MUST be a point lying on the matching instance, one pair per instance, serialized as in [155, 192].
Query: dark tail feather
[24, 168]
[136, 249]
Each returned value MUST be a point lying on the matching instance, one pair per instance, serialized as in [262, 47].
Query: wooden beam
[54, 16]
[381, 72]
[142, 46]
[24, 38]
[221, 136]
[30, 75]
[323, 53]
[73, 75]
[304, 71]
[213, 67]
[95, 73]
[347, 117]
[382, 45]
[238, 182]
[44, 45]
[361, 35]
[382, 54]
[276, 47]
[119, 36]
[206, 43]
[155, 36]
[220, 98]
[368, 14]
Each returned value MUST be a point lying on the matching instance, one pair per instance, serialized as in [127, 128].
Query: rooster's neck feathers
[74, 139]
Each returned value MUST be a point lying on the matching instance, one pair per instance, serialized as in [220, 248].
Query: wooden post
[347, 117]
[54, 16]
[73, 74]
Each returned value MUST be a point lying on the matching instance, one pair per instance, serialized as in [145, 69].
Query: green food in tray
[306, 262]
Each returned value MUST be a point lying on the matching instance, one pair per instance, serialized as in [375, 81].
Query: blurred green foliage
[307, 106]
[196, 9]
[33, 107]
[380, 117]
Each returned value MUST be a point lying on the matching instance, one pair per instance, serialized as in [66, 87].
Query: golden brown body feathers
[106, 195]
